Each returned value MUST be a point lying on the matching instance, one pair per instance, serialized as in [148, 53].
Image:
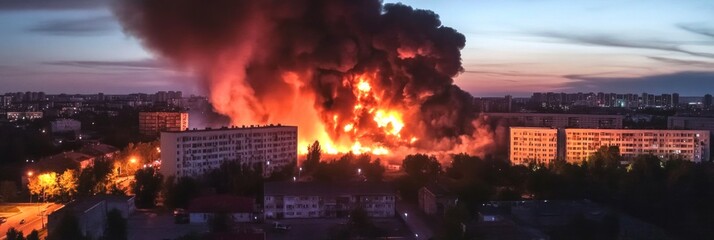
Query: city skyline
[593, 46]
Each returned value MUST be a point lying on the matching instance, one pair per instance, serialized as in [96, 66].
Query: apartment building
[577, 144]
[153, 123]
[551, 120]
[692, 145]
[533, 144]
[191, 153]
[327, 200]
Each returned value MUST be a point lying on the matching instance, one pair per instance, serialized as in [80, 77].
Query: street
[31, 213]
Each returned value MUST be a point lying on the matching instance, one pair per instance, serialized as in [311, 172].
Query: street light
[132, 160]
[359, 171]
[30, 173]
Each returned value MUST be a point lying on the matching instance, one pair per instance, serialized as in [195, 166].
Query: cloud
[697, 29]
[685, 83]
[10, 5]
[693, 63]
[610, 41]
[144, 64]
[70, 27]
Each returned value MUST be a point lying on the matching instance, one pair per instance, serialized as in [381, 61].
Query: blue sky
[513, 47]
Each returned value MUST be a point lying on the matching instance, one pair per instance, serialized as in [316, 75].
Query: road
[415, 220]
[32, 214]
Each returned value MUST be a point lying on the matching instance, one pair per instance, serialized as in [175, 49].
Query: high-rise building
[152, 123]
[707, 101]
[691, 145]
[533, 144]
[576, 145]
[194, 152]
[675, 100]
[559, 120]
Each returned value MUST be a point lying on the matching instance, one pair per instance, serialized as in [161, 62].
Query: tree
[68, 184]
[180, 192]
[312, 159]
[116, 226]
[34, 235]
[146, 186]
[13, 234]
[421, 165]
[48, 185]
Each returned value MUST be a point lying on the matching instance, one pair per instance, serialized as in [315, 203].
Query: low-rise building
[65, 125]
[327, 200]
[193, 153]
[91, 213]
[434, 199]
[241, 209]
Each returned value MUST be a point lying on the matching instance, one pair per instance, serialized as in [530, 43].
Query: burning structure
[356, 75]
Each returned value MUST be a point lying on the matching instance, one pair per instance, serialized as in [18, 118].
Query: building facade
[192, 153]
[326, 200]
[559, 120]
[153, 123]
[691, 145]
[240, 209]
[576, 144]
[65, 125]
[533, 144]
[15, 116]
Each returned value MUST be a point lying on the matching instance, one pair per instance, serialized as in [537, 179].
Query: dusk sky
[513, 47]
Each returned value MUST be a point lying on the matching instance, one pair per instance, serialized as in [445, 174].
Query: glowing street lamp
[30, 173]
[359, 171]
[132, 160]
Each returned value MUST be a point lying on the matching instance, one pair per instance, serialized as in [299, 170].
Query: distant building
[153, 123]
[327, 200]
[533, 144]
[192, 153]
[15, 116]
[240, 209]
[91, 213]
[100, 151]
[707, 101]
[65, 125]
[559, 120]
[493, 104]
[434, 199]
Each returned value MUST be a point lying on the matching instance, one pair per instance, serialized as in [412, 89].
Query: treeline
[675, 194]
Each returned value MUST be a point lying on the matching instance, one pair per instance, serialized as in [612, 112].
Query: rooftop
[234, 128]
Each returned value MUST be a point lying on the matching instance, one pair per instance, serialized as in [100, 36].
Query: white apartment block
[692, 145]
[326, 200]
[552, 120]
[192, 153]
[533, 144]
[576, 144]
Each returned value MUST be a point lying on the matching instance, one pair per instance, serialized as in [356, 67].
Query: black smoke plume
[259, 57]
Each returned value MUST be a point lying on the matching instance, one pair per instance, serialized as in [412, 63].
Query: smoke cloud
[302, 62]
